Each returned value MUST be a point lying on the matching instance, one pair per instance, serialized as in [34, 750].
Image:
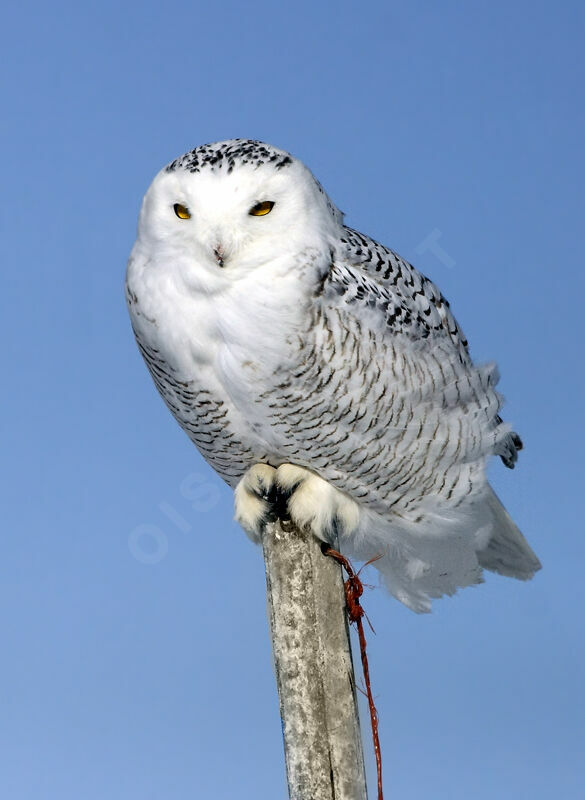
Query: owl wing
[366, 274]
[416, 306]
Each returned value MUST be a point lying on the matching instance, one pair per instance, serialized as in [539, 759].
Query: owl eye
[181, 211]
[261, 209]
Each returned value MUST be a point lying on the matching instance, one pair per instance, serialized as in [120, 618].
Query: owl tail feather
[444, 550]
[506, 552]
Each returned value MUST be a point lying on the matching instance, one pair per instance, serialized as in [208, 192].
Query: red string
[354, 589]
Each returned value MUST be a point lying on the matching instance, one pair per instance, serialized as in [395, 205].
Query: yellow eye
[181, 211]
[260, 209]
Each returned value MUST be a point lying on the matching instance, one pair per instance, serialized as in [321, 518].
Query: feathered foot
[265, 493]
[254, 500]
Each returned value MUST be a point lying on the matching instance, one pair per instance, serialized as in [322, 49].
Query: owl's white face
[205, 226]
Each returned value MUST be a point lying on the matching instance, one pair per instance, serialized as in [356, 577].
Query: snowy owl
[308, 362]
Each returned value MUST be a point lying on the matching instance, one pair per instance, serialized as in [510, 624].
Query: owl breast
[214, 361]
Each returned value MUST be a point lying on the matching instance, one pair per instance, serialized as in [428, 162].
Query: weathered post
[313, 665]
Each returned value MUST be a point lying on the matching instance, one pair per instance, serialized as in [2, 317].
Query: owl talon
[294, 493]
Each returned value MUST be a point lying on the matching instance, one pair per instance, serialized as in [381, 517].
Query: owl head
[232, 206]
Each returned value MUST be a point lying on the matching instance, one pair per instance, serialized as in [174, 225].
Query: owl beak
[219, 254]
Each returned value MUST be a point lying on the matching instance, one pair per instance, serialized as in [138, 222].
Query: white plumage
[302, 356]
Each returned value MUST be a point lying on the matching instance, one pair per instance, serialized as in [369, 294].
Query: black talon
[264, 492]
[278, 498]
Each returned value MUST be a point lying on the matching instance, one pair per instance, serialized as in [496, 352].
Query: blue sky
[135, 661]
